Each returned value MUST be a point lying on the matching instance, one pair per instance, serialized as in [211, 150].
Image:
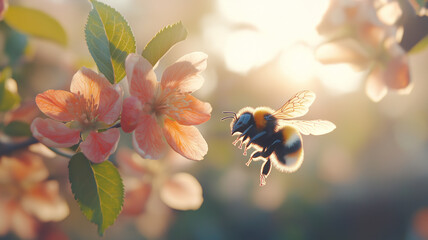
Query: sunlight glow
[341, 78]
[247, 49]
[277, 25]
[298, 64]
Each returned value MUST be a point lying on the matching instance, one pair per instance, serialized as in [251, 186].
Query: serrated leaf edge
[98, 194]
[126, 26]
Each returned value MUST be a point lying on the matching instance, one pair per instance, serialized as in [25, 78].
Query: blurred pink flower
[144, 177]
[4, 4]
[166, 110]
[26, 112]
[92, 104]
[355, 35]
[26, 197]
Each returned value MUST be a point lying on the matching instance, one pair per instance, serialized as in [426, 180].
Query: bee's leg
[245, 149]
[265, 171]
[255, 154]
[257, 136]
[269, 150]
[243, 135]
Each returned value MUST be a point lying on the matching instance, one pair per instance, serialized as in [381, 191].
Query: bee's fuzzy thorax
[259, 116]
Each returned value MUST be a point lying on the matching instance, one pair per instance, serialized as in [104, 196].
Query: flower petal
[186, 140]
[97, 147]
[397, 75]
[184, 74]
[23, 167]
[110, 105]
[132, 164]
[57, 104]
[343, 51]
[141, 77]
[53, 133]
[26, 112]
[193, 113]
[182, 192]
[137, 193]
[89, 84]
[44, 202]
[375, 87]
[131, 112]
[24, 225]
[147, 138]
[5, 216]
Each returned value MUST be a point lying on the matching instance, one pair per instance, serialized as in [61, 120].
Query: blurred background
[365, 180]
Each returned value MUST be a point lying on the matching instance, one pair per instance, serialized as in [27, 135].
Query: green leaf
[18, 129]
[109, 39]
[35, 23]
[98, 189]
[15, 45]
[420, 46]
[163, 41]
[9, 97]
[421, 3]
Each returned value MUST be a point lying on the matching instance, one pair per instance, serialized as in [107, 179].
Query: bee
[276, 138]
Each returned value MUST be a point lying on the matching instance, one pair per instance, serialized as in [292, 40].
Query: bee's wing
[297, 106]
[314, 127]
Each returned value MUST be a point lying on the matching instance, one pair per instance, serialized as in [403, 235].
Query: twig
[8, 148]
[59, 152]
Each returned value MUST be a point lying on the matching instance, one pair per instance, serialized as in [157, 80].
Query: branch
[8, 148]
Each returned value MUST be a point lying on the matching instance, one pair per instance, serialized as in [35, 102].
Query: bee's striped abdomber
[288, 156]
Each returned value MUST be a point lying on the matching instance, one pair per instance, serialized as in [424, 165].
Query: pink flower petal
[147, 138]
[57, 104]
[89, 84]
[110, 105]
[343, 51]
[97, 147]
[132, 109]
[132, 164]
[23, 224]
[137, 194]
[397, 75]
[141, 77]
[44, 202]
[182, 192]
[5, 216]
[24, 167]
[184, 74]
[4, 4]
[26, 112]
[193, 113]
[53, 133]
[185, 140]
[375, 86]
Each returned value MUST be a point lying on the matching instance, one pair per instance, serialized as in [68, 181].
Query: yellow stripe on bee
[290, 135]
[259, 117]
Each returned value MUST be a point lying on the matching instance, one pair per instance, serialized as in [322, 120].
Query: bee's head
[241, 123]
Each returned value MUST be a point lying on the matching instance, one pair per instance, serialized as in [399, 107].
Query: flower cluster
[156, 112]
[27, 198]
[358, 34]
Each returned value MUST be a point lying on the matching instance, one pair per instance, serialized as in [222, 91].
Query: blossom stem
[8, 148]
[61, 153]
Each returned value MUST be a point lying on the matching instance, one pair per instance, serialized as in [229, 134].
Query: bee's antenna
[229, 112]
[227, 117]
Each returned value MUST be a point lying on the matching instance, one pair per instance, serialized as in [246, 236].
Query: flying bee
[275, 137]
